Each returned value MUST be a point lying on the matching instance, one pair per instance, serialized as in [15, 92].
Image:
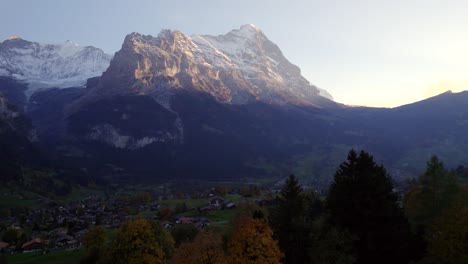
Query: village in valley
[63, 226]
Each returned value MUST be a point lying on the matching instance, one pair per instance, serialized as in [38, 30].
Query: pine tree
[436, 190]
[361, 201]
[287, 220]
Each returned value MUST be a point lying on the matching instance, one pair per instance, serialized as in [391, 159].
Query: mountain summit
[237, 68]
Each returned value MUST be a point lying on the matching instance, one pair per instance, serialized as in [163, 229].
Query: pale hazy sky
[375, 53]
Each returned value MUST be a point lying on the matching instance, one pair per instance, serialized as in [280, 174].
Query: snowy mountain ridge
[260, 61]
[44, 66]
[239, 67]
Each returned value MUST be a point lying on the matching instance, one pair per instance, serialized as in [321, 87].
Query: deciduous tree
[448, 239]
[206, 248]
[183, 233]
[253, 243]
[94, 244]
[136, 242]
[94, 238]
[164, 238]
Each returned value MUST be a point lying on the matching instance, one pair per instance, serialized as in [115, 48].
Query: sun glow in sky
[373, 53]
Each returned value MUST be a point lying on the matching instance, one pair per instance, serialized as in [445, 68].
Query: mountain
[227, 107]
[240, 67]
[204, 106]
[33, 77]
[412, 133]
[44, 66]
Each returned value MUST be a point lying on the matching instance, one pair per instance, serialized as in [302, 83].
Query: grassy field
[191, 203]
[15, 196]
[11, 197]
[54, 257]
[220, 216]
[81, 193]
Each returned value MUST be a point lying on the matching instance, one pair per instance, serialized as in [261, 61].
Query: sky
[372, 53]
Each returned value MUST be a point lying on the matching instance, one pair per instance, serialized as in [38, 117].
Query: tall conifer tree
[361, 201]
[288, 222]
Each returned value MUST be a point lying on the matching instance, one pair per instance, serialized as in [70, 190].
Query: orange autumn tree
[206, 248]
[252, 243]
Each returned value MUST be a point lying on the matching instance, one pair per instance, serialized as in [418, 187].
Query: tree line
[362, 219]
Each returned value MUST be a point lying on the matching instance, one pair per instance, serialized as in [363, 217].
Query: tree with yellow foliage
[207, 248]
[94, 238]
[448, 239]
[94, 243]
[136, 242]
[252, 243]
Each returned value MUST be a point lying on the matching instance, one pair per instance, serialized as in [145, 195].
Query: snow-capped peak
[12, 37]
[237, 68]
[70, 42]
[44, 66]
[247, 30]
[68, 49]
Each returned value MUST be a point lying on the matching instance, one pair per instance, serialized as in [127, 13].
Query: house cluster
[198, 222]
[217, 203]
[33, 244]
[65, 226]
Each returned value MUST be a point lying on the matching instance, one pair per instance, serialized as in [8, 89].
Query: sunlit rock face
[240, 68]
[237, 68]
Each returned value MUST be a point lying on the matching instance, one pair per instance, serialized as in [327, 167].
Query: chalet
[58, 232]
[73, 244]
[185, 220]
[216, 201]
[201, 222]
[201, 225]
[167, 224]
[205, 209]
[81, 233]
[230, 205]
[36, 243]
[63, 240]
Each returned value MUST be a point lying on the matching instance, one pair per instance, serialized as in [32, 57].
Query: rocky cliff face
[15, 129]
[6, 111]
[237, 68]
